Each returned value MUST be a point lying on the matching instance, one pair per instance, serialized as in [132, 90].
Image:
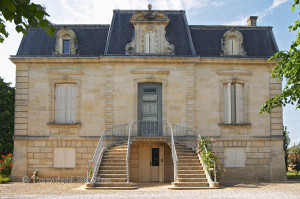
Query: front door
[150, 109]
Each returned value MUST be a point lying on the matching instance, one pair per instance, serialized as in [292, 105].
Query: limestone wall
[107, 95]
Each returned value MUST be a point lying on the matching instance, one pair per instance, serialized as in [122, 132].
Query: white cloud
[243, 20]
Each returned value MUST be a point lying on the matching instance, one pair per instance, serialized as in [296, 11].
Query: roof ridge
[231, 26]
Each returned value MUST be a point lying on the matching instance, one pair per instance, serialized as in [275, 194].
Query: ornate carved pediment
[150, 34]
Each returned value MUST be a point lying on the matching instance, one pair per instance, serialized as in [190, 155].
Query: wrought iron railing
[109, 137]
[190, 136]
[157, 128]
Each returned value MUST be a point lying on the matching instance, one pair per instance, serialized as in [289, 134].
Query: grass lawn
[4, 180]
[292, 175]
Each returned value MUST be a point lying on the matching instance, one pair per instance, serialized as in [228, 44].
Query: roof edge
[231, 26]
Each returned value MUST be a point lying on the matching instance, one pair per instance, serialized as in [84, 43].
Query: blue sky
[276, 13]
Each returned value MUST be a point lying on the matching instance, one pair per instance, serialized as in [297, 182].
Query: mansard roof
[195, 40]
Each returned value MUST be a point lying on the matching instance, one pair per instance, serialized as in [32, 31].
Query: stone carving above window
[150, 34]
[66, 42]
[232, 43]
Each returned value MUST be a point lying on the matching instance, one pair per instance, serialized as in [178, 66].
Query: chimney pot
[252, 20]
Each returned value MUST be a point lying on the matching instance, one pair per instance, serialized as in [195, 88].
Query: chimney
[252, 20]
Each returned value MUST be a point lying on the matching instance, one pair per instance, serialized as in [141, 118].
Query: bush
[4, 179]
[5, 165]
[205, 150]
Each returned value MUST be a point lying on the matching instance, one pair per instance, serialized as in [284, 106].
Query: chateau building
[150, 75]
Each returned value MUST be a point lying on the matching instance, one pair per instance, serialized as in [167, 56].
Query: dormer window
[232, 43]
[65, 42]
[66, 46]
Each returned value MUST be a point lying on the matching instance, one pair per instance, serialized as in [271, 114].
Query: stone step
[192, 179]
[112, 175]
[116, 152]
[190, 172]
[115, 184]
[180, 164]
[190, 184]
[191, 176]
[190, 167]
[113, 167]
[114, 156]
[188, 160]
[109, 160]
[187, 154]
[111, 171]
[118, 164]
[110, 180]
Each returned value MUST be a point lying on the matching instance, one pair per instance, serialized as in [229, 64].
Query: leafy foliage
[286, 143]
[288, 66]
[294, 153]
[23, 14]
[5, 165]
[7, 102]
[205, 150]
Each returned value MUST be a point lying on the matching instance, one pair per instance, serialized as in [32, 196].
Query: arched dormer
[232, 43]
[66, 42]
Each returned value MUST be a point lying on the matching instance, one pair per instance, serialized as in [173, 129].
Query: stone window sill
[53, 124]
[234, 124]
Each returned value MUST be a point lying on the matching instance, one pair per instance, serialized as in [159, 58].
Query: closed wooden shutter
[63, 157]
[234, 157]
[65, 103]
[240, 106]
[226, 118]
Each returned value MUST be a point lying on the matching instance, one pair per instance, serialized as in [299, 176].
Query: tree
[7, 103]
[286, 143]
[288, 66]
[294, 153]
[23, 14]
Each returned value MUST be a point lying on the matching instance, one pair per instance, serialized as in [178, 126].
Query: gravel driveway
[290, 190]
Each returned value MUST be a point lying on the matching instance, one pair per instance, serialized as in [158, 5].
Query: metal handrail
[118, 131]
[185, 131]
[143, 127]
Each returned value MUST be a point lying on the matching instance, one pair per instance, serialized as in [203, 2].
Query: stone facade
[108, 96]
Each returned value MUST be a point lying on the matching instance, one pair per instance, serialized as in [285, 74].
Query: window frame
[66, 80]
[245, 84]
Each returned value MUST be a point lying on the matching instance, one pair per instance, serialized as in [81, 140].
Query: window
[65, 103]
[234, 157]
[149, 42]
[234, 105]
[232, 46]
[66, 46]
[64, 157]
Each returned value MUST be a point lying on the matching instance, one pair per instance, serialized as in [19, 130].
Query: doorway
[150, 109]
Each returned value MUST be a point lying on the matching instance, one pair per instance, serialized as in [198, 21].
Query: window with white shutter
[234, 157]
[234, 105]
[65, 103]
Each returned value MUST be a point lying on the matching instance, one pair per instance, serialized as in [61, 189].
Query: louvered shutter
[240, 106]
[225, 103]
[60, 96]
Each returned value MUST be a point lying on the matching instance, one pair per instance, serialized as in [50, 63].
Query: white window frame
[234, 102]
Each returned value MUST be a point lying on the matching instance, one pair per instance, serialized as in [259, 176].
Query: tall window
[65, 103]
[234, 105]
[232, 46]
[66, 46]
[149, 42]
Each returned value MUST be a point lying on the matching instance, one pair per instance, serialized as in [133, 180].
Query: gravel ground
[290, 190]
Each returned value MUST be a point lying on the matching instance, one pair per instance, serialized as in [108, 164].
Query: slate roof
[111, 40]
[258, 41]
[91, 40]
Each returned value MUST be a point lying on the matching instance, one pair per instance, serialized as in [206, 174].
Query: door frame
[164, 84]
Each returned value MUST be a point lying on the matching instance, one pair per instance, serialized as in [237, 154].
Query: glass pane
[150, 90]
[155, 156]
[66, 46]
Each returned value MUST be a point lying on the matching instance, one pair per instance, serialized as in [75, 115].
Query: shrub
[205, 150]
[5, 165]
